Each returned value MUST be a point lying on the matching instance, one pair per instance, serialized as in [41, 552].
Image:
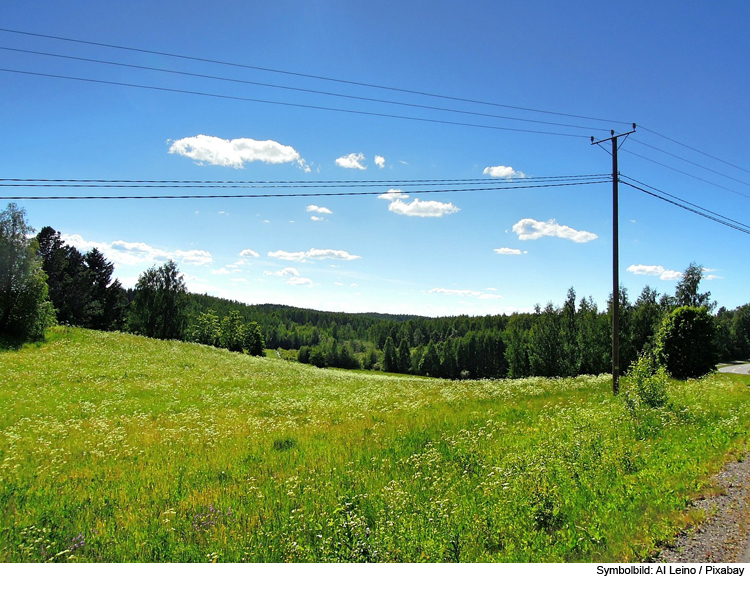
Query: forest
[72, 288]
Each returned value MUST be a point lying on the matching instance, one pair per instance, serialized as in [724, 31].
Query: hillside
[117, 448]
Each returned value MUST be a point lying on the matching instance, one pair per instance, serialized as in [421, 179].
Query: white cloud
[422, 209]
[392, 194]
[121, 252]
[194, 257]
[379, 161]
[466, 293]
[671, 275]
[286, 272]
[292, 275]
[317, 209]
[316, 218]
[222, 271]
[655, 271]
[351, 161]
[528, 229]
[207, 149]
[504, 172]
[314, 254]
[510, 251]
[247, 253]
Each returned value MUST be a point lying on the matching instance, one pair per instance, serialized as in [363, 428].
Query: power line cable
[282, 195]
[309, 76]
[115, 183]
[687, 173]
[694, 149]
[287, 104]
[718, 218]
[685, 201]
[691, 162]
[296, 89]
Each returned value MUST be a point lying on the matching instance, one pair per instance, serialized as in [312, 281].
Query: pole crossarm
[614, 137]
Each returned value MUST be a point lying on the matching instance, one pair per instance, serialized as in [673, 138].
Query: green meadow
[118, 448]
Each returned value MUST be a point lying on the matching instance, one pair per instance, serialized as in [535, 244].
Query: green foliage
[390, 358]
[546, 344]
[81, 286]
[25, 309]
[404, 357]
[594, 340]
[303, 355]
[254, 342]
[159, 307]
[517, 347]
[118, 448]
[206, 329]
[685, 343]
[647, 382]
[317, 356]
[232, 334]
[645, 320]
[430, 362]
[740, 332]
[347, 359]
[556, 341]
[687, 293]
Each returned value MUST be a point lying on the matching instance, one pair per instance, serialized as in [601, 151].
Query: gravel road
[725, 534]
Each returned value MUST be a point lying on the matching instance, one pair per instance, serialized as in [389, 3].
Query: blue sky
[677, 68]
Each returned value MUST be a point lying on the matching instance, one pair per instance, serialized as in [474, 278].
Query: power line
[281, 195]
[231, 184]
[686, 173]
[287, 104]
[691, 162]
[693, 149]
[685, 201]
[693, 208]
[309, 76]
[296, 89]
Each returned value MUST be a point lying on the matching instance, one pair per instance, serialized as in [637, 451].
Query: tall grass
[119, 448]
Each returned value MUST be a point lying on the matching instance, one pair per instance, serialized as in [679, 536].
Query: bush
[648, 382]
[685, 343]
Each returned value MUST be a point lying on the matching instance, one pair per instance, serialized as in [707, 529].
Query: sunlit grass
[118, 448]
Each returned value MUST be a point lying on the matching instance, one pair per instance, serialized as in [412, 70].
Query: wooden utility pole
[615, 259]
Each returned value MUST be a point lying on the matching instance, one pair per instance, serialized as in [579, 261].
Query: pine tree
[390, 359]
[404, 357]
[430, 363]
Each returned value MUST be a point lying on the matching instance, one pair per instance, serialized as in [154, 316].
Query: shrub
[685, 343]
[648, 382]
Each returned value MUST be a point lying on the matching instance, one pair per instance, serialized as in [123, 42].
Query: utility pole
[615, 258]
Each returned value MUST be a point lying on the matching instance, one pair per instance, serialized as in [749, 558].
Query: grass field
[119, 448]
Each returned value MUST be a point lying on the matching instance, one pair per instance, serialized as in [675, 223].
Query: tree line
[44, 280]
